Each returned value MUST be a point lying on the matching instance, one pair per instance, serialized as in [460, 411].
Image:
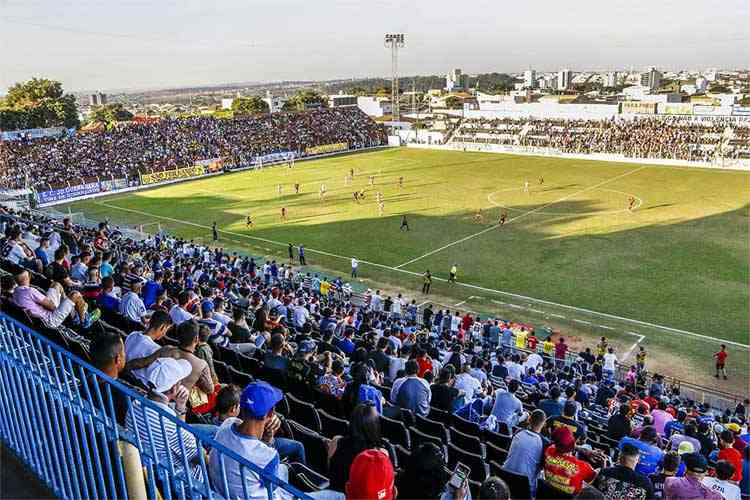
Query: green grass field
[681, 259]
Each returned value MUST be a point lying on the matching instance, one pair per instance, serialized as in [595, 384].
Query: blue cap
[258, 398]
[207, 306]
[306, 346]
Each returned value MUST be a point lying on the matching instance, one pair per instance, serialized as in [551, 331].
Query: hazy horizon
[140, 45]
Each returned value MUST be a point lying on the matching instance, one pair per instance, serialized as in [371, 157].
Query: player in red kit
[721, 361]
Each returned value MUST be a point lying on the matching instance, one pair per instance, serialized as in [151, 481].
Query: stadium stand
[130, 149]
[342, 403]
[675, 137]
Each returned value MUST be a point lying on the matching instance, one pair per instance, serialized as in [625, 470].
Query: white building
[375, 106]
[275, 103]
[564, 79]
[610, 79]
[651, 78]
[456, 81]
[701, 84]
[227, 103]
[529, 79]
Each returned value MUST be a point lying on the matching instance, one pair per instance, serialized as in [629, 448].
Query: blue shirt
[151, 290]
[41, 254]
[105, 270]
[525, 455]
[552, 407]
[651, 456]
[507, 336]
[673, 426]
[507, 408]
[109, 302]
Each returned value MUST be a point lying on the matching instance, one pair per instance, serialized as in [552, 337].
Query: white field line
[632, 348]
[537, 209]
[471, 286]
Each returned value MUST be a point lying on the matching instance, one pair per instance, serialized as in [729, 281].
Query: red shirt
[565, 472]
[560, 350]
[721, 356]
[532, 342]
[734, 457]
[424, 365]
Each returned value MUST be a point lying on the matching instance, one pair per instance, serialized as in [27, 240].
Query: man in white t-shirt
[721, 484]
[143, 344]
[610, 364]
[470, 386]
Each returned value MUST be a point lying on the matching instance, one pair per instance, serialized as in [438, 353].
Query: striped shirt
[159, 440]
[218, 335]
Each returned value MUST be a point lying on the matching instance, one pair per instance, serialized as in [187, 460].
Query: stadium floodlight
[394, 41]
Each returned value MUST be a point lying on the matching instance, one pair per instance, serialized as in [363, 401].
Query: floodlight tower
[394, 41]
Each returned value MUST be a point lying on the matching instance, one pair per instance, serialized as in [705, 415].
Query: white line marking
[517, 296]
[554, 315]
[581, 321]
[556, 214]
[423, 303]
[537, 209]
[632, 348]
[459, 303]
[605, 327]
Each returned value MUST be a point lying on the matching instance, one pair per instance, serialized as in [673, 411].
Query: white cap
[164, 373]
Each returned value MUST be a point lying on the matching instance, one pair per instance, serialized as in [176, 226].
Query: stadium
[510, 298]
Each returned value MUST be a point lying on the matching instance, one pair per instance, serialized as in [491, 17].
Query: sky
[137, 44]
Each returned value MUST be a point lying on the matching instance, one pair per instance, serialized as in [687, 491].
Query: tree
[717, 88]
[112, 112]
[252, 105]
[453, 102]
[305, 99]
[38, 102]
[745, 101]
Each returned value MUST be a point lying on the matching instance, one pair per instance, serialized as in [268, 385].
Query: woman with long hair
[364, 434]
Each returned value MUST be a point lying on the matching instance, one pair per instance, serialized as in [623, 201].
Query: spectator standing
[690, 487]
[622, 480]
[526, 451]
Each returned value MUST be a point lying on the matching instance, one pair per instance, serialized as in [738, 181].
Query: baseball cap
[164, 373]
[207, 306]
[564, 440]
[695, 462]
[370, 477]
[258, 398]
[685, 447]
[734, 427]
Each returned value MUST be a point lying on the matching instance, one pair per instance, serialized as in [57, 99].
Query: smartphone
[459, 476]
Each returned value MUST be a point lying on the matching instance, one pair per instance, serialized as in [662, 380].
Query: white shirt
[724, 488]
[355, 263]
[514, 370]
[301, 315]
[455, 321]
[469, 385]
[138, 345]
[250, 448]
[533, 361]
[179, 315]
[609, 361]
[16, 254]
[377, 303]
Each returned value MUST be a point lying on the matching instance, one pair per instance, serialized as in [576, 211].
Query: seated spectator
[494, 488]
[618, 425]
[562, 469]
[552, 406]
[661, 417]
[445, 396]
[131, 305]
[728, 453]
[143, 344]
[425, 476]
[412, 392]
[227, 404]
[333, 382]
[651, 454]
[691, 485]
[165, 391]
[276, 359]
[568, 419]
[179, 313]
[238, 327]
[109, 299]
[358, 390]
[364, 434]
[527, 450]
[689, 434]
[723, 483]
[670, 464]
[622, 480]
[468, 384]
[54, 307]
[371, 477]
[108, 355]
[507, 408]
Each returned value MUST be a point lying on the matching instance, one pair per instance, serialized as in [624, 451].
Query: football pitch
[680, 258]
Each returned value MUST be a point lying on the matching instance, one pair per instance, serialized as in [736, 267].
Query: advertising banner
[274, 157]
[68, 192]
[211, 164]
[33, 133]
[741, 111]
[113, 184]
[638, 108]
[327, 148]
[169, 175]
[700, 109]
[675, 109]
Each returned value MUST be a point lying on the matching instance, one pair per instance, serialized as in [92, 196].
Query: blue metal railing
[58, 414]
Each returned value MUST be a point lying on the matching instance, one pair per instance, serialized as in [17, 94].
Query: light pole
[394, 41]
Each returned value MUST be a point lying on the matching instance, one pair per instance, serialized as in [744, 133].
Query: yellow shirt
[454, 270]
[521, 339]
[324, 287]
[549, 347]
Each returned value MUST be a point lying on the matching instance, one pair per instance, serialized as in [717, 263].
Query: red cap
[564, 440]
[370, 477]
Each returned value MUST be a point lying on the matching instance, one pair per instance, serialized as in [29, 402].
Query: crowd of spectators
[571, 425]
[679, 138]
[131, 148]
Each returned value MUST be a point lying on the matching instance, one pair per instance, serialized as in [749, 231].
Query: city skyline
[139, 45]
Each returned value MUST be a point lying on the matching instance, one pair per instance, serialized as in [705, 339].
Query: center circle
[638, 202]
